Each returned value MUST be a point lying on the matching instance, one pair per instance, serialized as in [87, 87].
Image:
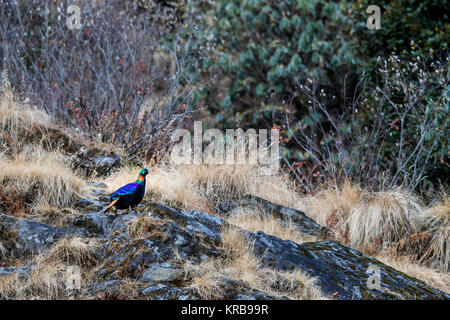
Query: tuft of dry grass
[361, 218]
[49, 274]
[204, 187]
[40, 178]
[141, 227]
[3, 251]
[204, 280]
[59, 217]
[209, 278]
[74, 251]
[383, 217]
[254, 219]
[46, 281]
[376, 222]
[16, 116]
[330, 206]
[437, 220]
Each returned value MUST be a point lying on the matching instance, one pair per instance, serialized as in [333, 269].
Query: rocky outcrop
[342, 272]
[173, 237]
[300, 220]
[98, 164]
[24, 237]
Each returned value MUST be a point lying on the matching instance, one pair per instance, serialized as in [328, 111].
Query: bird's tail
[110, 205]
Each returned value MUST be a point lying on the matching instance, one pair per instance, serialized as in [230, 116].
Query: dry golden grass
[439, 280]
[74, 251]
[209, 278]
[438, 223]
[372, 221]
[41, 177]
[362, 218]
[46, 281]
[204, 279]
[254, 220]
[2, 251]
[331, 205]
[384, 217]
[203, 187]
[17, 116]
[369, 221]
[141, 227]
[49, 274]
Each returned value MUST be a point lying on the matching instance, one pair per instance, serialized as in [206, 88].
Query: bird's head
[142, 175]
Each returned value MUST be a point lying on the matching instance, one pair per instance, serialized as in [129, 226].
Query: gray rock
[83, 203]
[22, 272]
[103, 286]
[104, 199]
[304, 224]
[99, 224]
[100, 164]
[166, 292]
[161, 272]
[166, 241]
[30, 237]
[194, 221]
[96, 184]
[338, 268]
[341, 271]
[87, 205]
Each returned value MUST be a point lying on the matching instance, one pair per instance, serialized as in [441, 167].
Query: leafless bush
[392, 134]
[116, 78]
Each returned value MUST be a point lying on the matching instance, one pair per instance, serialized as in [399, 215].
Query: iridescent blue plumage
[130, 195]
[126, 189]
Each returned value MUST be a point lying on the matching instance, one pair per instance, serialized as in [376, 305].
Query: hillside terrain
[100, 99]
[202, 232]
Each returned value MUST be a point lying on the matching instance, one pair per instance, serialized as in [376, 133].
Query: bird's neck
[140, 179]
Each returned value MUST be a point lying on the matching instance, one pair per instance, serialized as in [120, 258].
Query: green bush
[266, 50]
[262, 45]
[404, 25]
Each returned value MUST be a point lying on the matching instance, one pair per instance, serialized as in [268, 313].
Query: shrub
[391, 134]
[424, 23]
[261, 45]
[113, 79]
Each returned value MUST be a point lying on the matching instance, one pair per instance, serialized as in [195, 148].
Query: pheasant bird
[130, 195]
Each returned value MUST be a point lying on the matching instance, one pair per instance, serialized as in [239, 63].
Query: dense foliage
[268, 52]
[371, 105]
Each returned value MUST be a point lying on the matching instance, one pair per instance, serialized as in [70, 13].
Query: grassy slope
[386, 220]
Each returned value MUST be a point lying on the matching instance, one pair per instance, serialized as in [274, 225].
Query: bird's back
[127, 189]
